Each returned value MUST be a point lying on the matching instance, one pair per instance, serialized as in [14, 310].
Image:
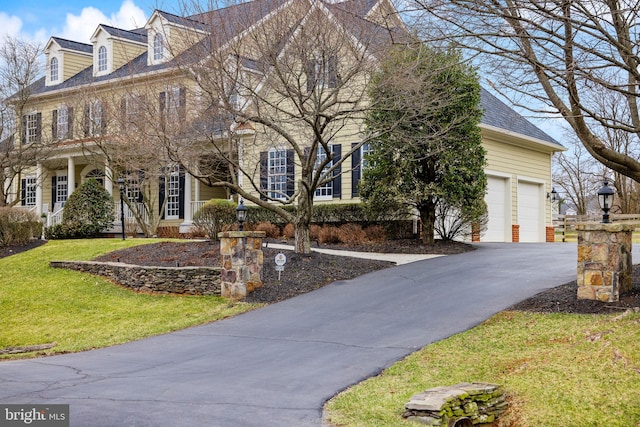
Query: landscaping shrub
[214, 216]
[289, 231]
[271, 230]
[18, 226]
[314, 231]
[352, 234]
[329, 234]
[376, 233]
[169, 232]
[87, 212]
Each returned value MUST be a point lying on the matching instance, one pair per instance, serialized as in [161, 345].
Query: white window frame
[31, 125]
[365, 149]
[277, 173]
[172, 193]
[95, 118]
[54, 69]
[158, 47]
[102, 59]
[324, 192]
[62, 127]
[172, 106]
[62, 188]
[30, 190]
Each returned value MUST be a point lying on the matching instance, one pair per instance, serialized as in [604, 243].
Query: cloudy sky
[37, 20]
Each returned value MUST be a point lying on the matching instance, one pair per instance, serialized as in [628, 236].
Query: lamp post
[606, 195]
[121, 187]
[241, 215]
[553, 195]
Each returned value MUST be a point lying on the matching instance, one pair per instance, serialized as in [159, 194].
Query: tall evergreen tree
[427, 153]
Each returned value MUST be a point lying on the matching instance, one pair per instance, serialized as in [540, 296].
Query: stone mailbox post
[242, 260]
[604, 260]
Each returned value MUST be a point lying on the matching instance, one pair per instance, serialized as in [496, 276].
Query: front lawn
[557, 370]
[77, 311]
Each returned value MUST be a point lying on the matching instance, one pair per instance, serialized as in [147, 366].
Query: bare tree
[21, 141]
[288, 82]
[576, 174]
[564, 54]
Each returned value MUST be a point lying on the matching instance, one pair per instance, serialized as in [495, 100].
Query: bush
[289, 231]
[87, 212]
[352, 234]
[18, 226]
[215, 216]
[329, 234]
[271, 230]
[376, 233]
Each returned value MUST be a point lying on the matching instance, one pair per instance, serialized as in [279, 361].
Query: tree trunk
[428, 219]
[302, 223]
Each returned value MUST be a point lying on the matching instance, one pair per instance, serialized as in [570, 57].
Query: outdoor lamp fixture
[121, 187]
[241, 214]
[553, 196]
[605, 199]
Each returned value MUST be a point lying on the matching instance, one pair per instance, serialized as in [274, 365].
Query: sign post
[281, 260]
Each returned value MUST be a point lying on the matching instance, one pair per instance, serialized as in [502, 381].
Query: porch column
[185, 227]
[39, 184]
[108, 178]
[71, 176]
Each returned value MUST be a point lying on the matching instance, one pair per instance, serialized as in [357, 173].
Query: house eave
[519, 139]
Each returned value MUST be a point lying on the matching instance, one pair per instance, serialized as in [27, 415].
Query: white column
[71, 176]
[108, 177]
[39, 184]
[188, 215]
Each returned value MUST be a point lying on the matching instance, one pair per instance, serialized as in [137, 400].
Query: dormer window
[53, 70]
[102, 59]
[158, 47]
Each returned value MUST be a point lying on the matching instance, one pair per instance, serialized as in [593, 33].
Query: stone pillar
[242, 260]
[604, 260]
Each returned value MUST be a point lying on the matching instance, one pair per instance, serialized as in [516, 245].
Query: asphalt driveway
[278, 365]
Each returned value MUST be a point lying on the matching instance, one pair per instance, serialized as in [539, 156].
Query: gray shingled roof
[138, 35]
[500, 115]
[77, 46]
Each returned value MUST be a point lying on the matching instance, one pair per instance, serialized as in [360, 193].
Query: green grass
[557, 370]
[78, 311]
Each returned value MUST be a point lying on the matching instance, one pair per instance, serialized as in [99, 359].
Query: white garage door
[530, 212]
[496, 199]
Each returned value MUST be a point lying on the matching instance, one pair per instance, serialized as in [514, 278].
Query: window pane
[277, 174]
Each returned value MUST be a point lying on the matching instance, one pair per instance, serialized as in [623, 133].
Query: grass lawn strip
[557, 370]
[77, 311]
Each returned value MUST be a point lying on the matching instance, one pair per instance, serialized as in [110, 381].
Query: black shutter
[337, 172]
[54, 124]
[333, 71]
[103, 120]
[264, 170]
[161, 193]
[162, 103]
[24, 129]
[355, 170]
[141, 178]
[38, 127]
[86, 120]
[291, 173]
[69, 134]
[182, 111]
[311, 75]
[181, 184]
[54, 182]
[23, 192]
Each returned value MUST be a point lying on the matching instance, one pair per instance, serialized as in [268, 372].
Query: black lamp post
[241, 215]
[121, 187]
[606, 195]
[553, 195]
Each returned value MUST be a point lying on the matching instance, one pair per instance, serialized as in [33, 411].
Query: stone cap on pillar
[238, 234]
[612, 227]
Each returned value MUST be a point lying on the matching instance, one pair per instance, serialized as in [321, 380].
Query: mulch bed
[305, 273]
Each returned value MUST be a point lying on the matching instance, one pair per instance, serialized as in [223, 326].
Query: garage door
[530, 212]
[496, 199]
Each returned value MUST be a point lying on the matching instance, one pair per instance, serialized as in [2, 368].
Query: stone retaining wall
[165, 280]
[479, 403]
